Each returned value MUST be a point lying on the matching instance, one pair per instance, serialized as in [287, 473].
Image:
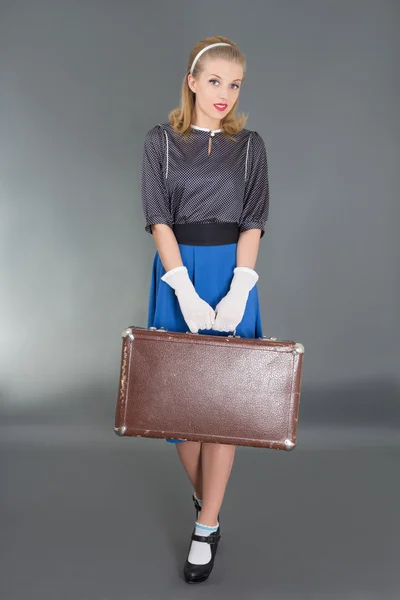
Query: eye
[216, 81]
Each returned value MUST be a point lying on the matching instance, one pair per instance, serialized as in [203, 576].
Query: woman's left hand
[230, 310]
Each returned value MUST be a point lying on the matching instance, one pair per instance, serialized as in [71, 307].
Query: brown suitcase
[208, 388]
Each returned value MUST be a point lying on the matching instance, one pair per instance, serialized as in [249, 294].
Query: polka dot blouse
[207, 178]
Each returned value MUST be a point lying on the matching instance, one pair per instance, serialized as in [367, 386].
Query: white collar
[205, 129]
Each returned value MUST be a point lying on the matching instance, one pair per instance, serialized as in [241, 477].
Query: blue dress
[207, 178]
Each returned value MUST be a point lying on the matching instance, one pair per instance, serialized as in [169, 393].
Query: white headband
[204, 49]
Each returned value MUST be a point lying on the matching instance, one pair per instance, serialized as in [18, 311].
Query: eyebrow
[219, 77]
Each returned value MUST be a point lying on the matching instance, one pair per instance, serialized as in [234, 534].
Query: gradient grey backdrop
[81, 83]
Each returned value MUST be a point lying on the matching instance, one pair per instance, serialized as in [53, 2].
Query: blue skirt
[210, 269]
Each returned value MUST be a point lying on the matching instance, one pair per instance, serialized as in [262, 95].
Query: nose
[223, 95]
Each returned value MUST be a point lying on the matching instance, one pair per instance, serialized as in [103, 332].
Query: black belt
[206, 234]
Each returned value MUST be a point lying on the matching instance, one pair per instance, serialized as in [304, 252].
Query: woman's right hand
[197, 313]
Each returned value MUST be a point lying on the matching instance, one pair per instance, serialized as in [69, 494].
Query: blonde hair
[181, 117]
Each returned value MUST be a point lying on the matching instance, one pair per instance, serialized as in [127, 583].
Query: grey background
[80, 84]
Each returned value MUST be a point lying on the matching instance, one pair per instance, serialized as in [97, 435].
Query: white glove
[196, 312]
[230, 310]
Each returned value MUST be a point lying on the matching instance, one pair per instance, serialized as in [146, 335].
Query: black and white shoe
[197, 573]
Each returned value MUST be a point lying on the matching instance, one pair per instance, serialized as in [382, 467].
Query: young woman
[205, 198]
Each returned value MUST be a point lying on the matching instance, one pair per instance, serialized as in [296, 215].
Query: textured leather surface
[209, 388]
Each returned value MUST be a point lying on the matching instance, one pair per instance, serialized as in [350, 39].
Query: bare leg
[190, 456]
[216, 462]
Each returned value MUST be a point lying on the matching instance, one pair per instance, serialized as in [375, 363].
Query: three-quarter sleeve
[155, 198]
[256, 196]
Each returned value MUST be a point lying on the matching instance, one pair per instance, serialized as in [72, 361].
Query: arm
[230, 310]
[247, 248]
[197, 313]
[159, 222]
[256, 204]
[256, 194]
[167, 246]
[155, 199]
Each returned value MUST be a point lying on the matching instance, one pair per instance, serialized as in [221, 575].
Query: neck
[204, 121]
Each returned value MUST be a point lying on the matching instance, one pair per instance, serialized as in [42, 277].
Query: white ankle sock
[200, 552]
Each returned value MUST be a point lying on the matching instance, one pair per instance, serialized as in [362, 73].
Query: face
[218, 84]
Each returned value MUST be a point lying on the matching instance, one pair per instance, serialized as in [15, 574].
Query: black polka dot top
[207, 178]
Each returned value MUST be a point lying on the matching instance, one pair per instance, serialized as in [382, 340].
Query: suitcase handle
[126, 332]
[190, 332]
